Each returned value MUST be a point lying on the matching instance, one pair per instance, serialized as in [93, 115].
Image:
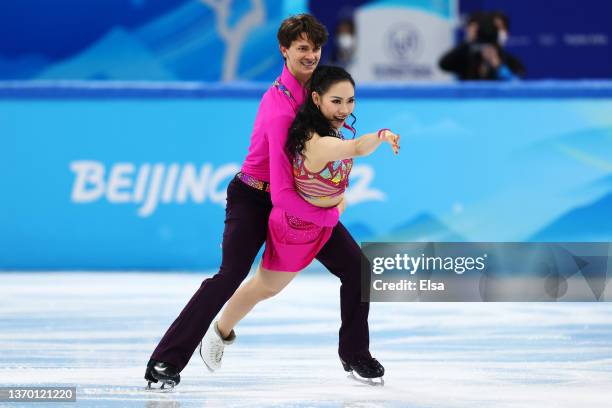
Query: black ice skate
[164, 372]
[365, 369]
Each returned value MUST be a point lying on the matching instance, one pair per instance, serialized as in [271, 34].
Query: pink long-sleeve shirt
[267, 159]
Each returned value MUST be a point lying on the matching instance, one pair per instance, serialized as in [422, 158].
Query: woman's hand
[392, 139]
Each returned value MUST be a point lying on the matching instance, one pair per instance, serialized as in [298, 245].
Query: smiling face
[337, 103]
[301, 58]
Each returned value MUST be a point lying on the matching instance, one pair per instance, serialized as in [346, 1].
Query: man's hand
[490, 55]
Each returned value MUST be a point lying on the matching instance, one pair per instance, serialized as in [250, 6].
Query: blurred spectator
[481, 56]
[344, 43]
[502, 22]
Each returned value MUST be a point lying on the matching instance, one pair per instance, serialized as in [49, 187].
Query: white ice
[96, 331]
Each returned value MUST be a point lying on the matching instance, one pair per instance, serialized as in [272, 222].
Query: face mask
[345, 41]
[502, 37]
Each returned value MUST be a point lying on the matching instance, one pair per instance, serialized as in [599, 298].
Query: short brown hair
[293, 27]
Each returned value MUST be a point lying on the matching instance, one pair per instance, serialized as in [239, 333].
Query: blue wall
[80, 165]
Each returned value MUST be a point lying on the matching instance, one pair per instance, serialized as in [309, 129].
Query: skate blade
[374, 382]
[162, 388]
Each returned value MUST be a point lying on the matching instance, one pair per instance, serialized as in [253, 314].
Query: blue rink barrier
[143, 89]
[118, 175]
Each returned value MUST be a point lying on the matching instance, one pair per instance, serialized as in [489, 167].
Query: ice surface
[96, 331]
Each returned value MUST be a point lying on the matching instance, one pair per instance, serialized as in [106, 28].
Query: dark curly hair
[309, 118]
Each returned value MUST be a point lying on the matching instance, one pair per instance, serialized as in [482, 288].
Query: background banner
[211, 40]
[119, 177]
[162, 40]
[402, 40]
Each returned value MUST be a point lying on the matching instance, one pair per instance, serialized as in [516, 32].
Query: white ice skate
[212, 345]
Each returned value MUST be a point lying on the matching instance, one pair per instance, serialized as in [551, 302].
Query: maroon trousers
[246, 221]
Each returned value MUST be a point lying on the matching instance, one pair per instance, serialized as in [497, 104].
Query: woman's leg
[263, 285]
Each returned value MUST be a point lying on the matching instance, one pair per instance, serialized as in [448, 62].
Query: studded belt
[253, 182]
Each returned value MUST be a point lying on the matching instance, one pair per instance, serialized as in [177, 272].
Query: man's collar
[293, 85]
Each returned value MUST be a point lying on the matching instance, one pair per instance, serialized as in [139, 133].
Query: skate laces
[217, 351]
[213, 345]
[217, 346]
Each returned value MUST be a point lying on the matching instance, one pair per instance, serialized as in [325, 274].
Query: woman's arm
[325, 149]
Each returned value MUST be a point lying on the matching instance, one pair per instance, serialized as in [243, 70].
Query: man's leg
[342, 256]
[246, 223]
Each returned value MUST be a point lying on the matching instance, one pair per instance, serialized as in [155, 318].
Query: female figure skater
[322, 160]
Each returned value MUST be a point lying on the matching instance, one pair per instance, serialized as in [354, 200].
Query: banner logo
[404, 42]
[150, 184]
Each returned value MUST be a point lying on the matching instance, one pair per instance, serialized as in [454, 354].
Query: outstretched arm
[282, 186]
[325, 149]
